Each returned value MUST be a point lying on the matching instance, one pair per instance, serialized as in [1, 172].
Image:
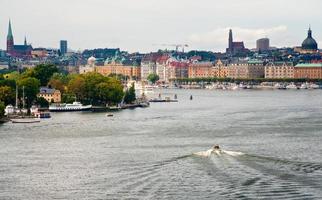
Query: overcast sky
[137, 25]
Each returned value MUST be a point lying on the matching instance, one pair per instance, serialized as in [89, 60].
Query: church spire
[10, 35]
[310, 32]
[25, 41]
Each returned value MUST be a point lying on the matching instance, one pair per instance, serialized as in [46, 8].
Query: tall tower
[25, 43]
[230, 42]
[10, 41]
[63, 47]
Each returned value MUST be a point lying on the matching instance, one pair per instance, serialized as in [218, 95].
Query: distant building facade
[51, 95]
[200, 70]
[162, 69]
[148, 65]
[114, 68]
[262, 44]
[279, 70]
[178, 69]
[250, 69]
[220, 70]
[310, 71]
[63, 47]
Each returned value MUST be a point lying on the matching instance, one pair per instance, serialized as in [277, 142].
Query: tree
[96, 89]
[7, 95]
[130, 96]
[153, 78]
[57, 84]
[110, 92]
[31, 89]
[76, 86]
[2, 107]
[44, 72]
[42, 102]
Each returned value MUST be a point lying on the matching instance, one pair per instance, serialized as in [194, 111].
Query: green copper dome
[309, 43]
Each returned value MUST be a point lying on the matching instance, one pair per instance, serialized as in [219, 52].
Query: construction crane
[177, 46]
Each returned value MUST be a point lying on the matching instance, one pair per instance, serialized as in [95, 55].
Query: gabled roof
[46, 90]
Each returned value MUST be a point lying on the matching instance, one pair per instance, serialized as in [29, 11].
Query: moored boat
[74, 107]
[27, 120]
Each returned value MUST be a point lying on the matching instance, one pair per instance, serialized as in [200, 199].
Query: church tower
[230, 43]
[10, 41]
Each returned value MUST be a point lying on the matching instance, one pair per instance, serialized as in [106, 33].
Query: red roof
[178, 64]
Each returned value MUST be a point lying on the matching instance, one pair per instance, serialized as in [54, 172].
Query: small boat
[9, 110]
[304, 86]
[25, 120]
[109, 115]
[43, 115]
[292, 86]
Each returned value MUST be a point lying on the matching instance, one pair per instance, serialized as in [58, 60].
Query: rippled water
[147, 153]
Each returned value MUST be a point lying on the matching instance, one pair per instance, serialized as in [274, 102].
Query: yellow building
[51, 95]
[114, 68]
[220, 70]
[250, 69]
[279, 70]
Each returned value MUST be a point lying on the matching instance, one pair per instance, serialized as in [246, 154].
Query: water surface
[147, 153]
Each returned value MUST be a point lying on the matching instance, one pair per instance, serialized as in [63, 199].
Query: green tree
[68, 98]
[42, 102]
[153, 78]
[110, 92]
[43, 73]
[31, 89]
[76, 86]
[7, 95]
[2, 107]
[130, 96]
[96, 89]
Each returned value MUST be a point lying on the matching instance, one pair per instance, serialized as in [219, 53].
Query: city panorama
[153, 99]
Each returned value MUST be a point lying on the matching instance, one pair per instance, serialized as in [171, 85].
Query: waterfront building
[235, 48]
[148, 65]
[178, 69]
[309, 45]
[262, 44]
[220, 70]
[308, 70]
[249, 69]
[200, 70]
[162, 69]
[63, 47]
[19, 51]
[120, 69]
[279, 70]
[50, 94]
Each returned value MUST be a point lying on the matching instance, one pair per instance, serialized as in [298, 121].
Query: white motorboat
[292, 86]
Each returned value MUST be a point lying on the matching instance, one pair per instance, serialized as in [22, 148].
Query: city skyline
[137, 26]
